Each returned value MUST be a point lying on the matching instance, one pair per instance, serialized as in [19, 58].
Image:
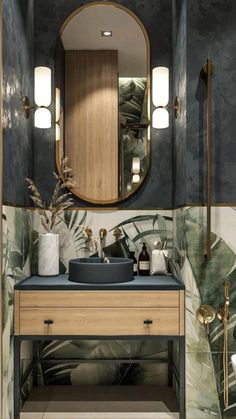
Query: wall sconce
[42, 97]
[160, 98]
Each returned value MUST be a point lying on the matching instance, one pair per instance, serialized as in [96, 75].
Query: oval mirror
[102, 101]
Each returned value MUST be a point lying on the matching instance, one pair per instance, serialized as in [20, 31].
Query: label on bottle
[135, 267]
[144, 265]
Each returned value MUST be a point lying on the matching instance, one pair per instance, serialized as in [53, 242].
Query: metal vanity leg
[170, 363]
[35, 363]
[17, 389]
[182, 377]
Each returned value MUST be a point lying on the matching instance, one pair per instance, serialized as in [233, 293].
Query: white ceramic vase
[48, 254]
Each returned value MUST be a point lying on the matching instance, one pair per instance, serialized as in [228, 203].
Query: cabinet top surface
[61, 282]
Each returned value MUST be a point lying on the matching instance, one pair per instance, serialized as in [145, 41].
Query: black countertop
[61, 282]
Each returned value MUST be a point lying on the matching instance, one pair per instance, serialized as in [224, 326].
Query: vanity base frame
[18, 381]
[148, 308]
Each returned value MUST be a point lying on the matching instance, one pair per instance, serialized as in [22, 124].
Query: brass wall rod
[224, 316]
[207, 71]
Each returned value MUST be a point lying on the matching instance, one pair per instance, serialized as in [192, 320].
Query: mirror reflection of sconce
[42, 98]
[160, 98]
[136, 166]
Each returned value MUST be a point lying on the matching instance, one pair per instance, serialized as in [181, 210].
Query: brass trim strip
[99, 208]
[207, 70]
[209, 140]
[1, 174]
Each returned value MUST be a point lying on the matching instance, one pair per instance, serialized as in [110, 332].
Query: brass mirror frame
[1, 207]
[148, 69]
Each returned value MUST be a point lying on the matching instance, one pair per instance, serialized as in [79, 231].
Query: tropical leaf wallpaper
[204, 284]
[185, 232]
[133, 141]
[17, 233]
[21, 229]
[138, 227]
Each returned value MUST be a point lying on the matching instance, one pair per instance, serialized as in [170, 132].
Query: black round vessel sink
[95, 271]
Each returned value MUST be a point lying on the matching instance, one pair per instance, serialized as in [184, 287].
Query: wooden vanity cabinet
[151, 308]
[109, 313]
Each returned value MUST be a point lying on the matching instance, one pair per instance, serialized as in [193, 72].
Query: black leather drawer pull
[48, 322]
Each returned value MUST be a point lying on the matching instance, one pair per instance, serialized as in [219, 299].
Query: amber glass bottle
[144, 262]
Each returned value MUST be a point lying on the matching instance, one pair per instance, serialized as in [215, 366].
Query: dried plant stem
[60, 200]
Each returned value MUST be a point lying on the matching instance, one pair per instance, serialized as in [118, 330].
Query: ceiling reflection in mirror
[102, 101]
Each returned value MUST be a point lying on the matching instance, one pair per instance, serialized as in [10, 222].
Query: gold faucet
[205, 315]
[102, 237]
[96, 245]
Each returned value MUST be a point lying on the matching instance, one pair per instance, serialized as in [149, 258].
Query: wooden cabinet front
[101, 313]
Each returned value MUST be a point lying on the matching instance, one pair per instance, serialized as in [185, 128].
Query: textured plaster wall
[204, 29]
[17, 82]
[179, 34]
[156, 192]
[211, 33]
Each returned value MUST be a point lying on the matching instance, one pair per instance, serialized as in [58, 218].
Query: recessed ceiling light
[106, 33]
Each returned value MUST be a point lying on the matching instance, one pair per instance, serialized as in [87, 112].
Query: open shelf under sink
[101, 402]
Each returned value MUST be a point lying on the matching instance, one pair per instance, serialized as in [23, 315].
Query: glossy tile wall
[17, 82]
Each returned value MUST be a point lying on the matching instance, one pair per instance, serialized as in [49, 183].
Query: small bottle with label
[144, 262]
[135, 266]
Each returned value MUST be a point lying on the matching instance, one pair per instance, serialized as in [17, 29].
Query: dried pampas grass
[60, 200]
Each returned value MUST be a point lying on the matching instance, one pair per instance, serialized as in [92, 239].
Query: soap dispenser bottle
[144, 262]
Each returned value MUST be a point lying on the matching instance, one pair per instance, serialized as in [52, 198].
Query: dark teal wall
[179, 28]
[17, 82]
[195, 30]
[156, 192]
[211, 32]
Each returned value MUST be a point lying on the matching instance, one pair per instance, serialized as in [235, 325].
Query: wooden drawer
[101, 321]
[111, 299]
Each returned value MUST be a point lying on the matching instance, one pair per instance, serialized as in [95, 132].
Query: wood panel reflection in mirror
[102, 111]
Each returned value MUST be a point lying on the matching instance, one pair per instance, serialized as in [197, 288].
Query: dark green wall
[17, 82]
[156, 192]
[211, 32]
[182, 35]
[179, 28]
